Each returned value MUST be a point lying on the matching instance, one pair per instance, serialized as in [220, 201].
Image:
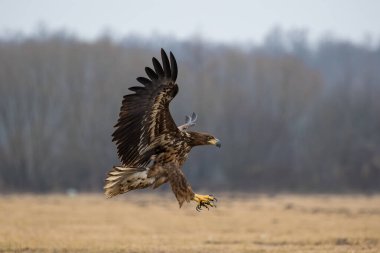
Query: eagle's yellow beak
[215, 142]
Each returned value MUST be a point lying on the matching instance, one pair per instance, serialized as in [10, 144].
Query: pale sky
[219, 21]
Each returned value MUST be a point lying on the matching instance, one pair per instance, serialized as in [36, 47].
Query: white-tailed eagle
[151, 147]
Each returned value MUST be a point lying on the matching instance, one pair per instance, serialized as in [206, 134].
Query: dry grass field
[150, 223]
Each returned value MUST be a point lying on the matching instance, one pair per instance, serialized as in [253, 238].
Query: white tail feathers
[120, 180]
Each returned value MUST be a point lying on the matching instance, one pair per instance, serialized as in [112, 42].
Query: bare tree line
[291, 117]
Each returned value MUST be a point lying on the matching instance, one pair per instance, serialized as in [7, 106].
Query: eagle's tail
[121, 179]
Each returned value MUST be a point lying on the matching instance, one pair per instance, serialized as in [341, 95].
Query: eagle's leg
[182, 190]
[204, 201]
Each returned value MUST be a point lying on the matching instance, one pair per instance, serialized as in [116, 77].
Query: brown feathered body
[151, 147]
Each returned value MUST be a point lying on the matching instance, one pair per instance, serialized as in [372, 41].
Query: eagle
[150, 146]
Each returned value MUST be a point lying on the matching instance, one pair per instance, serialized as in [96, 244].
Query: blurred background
[292, 88]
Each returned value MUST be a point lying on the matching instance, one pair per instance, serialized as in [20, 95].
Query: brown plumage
[151, 147]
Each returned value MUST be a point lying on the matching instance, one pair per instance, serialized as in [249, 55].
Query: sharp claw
[207, 202]
[213, 198]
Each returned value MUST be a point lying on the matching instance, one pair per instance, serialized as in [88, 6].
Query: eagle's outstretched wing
[144, 115]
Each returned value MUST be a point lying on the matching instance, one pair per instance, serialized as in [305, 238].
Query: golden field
[139, 222]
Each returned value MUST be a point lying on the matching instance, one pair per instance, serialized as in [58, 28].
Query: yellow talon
[204, 201]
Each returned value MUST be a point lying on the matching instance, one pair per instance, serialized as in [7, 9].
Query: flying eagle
[151, 147]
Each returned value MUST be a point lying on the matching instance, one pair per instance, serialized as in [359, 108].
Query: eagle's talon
[206, 201]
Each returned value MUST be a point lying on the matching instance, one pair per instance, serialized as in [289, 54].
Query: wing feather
[144, 114]
[166, 64]
[173, 66]
[151, 74]
[145, 81]
[157, 67]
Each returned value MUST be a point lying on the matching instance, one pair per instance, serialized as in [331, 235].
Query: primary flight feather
[151, 147]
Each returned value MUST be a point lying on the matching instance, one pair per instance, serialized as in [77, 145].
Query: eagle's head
[197, 139]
